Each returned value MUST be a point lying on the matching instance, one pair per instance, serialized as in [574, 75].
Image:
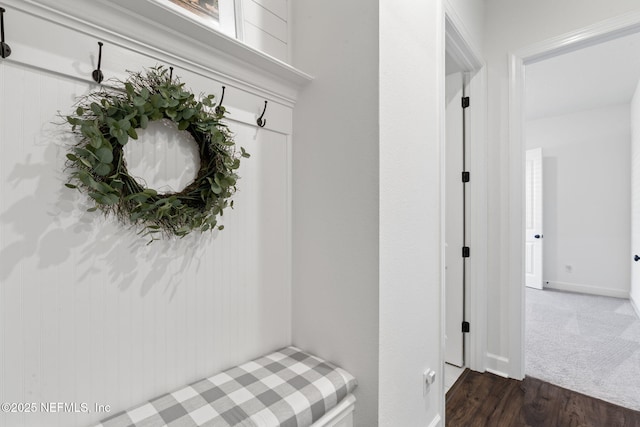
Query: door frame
[469, 59]
[596, 33]
[455, 219]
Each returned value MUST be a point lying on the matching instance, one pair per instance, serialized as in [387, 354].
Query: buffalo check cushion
[288, 388]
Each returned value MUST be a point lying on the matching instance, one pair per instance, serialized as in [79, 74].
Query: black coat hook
[97, 74]
[260, 121]
[5, 50]
[219, 108]
[170, 74]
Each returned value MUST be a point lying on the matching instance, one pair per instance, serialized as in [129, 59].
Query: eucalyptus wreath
[106, 120]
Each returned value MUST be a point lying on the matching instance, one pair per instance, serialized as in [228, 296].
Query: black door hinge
[466, 176]
[465, 101]
[465, 252]
[465, 327]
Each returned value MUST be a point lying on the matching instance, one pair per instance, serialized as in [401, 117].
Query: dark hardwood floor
[477, 400]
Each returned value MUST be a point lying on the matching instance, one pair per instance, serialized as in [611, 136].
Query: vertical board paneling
[266, 26]
[261, 40]
[277, 7]
[266, 20]
[88, 312]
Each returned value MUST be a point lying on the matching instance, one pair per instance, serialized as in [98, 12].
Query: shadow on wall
[52, 225]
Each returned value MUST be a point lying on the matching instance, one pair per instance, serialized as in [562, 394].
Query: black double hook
[5, 50]
[97, 75]
[219, 107]
[260, 121]
[170, 74]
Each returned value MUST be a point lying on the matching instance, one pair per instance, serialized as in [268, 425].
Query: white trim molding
[458, 40]
[586, 289]
[436, 422]
[497, 365]
[516, 202]
[145, 26]
[635, 307]
[70, 49]
[597, 33]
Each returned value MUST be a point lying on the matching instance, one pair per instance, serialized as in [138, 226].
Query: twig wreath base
[106, 120]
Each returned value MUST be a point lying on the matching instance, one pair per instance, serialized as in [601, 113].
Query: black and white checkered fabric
[288, 388]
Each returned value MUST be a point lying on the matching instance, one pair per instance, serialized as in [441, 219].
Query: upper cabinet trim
[148, 26]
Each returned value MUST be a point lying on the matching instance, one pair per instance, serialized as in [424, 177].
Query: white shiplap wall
[88, 312]
[265, 26]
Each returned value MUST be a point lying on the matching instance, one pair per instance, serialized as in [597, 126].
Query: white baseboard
[436, 422]
[586, 289]
[635, 306]
[497, 365]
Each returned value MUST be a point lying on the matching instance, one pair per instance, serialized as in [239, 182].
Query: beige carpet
[589, 344]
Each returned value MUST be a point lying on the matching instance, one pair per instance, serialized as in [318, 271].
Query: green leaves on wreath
[107, 120]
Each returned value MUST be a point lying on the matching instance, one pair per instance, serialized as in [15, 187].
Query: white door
[634, 294]
[454, 292]
[533, 219]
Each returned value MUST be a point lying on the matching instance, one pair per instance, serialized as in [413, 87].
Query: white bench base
[340, 416]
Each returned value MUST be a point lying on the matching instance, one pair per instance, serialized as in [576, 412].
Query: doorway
[575, 340]
[569, 267]
[455, 232]
[462, 220]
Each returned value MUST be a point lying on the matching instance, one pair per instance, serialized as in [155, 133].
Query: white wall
[412, 107]
[335, 191]
[88, 313]
[510, 25]
[635, 198]
[586, 176]
[367, 200]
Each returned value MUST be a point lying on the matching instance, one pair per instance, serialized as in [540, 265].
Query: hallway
[487, 400]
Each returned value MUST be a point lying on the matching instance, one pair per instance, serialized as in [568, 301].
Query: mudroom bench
[287, 388]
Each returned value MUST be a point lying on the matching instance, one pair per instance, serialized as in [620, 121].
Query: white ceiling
[592, 77]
